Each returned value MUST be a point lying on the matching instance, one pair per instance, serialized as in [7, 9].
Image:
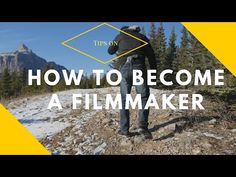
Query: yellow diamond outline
[64, 43]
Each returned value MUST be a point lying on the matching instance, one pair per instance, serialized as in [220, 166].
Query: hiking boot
[145, 133]
[124, 133]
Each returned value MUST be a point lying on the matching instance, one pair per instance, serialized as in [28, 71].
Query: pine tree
[90, 82]
[152, 36]
[1, 88]
[60, 86]
[203, 60]
[183, 57]
[171, 51]
[160, 51]
[82, 84]
[86, 81]
[170, 54]
[104, 81]
[24, 77]
[17, 84]
[161, 46]
[6, 84]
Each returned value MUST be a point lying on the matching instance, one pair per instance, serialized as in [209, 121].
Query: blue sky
[45, 40]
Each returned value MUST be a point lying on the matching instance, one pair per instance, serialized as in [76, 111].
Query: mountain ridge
[24, 58]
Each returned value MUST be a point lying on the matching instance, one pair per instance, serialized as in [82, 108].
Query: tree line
[188, 54]
[15, 84]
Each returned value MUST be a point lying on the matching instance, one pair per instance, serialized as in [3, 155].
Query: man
[133, 61]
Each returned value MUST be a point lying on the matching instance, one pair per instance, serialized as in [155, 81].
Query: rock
[233, 130]
[170, 127]
[79, 151]
[188, 134]
[161, 130]
[168, 139]
[22, 48]
[126, 142]
[100, 149]
[133, 128]
[93, 137]
[212, 121]
[211, 126]
[77, 141]
[179, 127]
[206, 144]
[138, 139]
[106, 121]
[196, 151]
[213, 136]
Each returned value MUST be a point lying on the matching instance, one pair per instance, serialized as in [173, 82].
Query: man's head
[131, 28]
[134, 28]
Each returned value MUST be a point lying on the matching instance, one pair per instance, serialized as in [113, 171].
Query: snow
[32, 112]
[41, 130]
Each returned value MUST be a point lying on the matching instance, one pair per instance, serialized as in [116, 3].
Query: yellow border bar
[16, 139]
[219, 38]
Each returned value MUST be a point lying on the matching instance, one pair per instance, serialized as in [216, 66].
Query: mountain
[24, 58]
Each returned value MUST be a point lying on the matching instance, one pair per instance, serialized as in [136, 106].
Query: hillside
[83, 131]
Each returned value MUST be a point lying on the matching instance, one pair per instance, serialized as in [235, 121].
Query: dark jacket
[127, 43]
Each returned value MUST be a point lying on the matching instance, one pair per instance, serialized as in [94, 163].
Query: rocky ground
[210, 131]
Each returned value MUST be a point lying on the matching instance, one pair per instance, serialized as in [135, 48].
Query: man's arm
[150, 55]
[114, 48]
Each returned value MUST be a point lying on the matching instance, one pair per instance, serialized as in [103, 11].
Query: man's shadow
[185, 122]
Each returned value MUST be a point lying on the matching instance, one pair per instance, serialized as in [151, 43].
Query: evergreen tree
[86, 81]
[152, 36]
[24, 77]
[60, 86]
[16, 84]
[161, 46]
[1, 88]
[92, 81]
[170, 54]
[6, 84]
[160, 51]
[203, 60]
[171, 51]
[183, 58]
[104, 81]
[82, 84]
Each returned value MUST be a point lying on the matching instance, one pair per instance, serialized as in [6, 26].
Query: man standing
[133, 61]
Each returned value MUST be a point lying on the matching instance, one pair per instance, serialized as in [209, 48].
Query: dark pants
[125, 88]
